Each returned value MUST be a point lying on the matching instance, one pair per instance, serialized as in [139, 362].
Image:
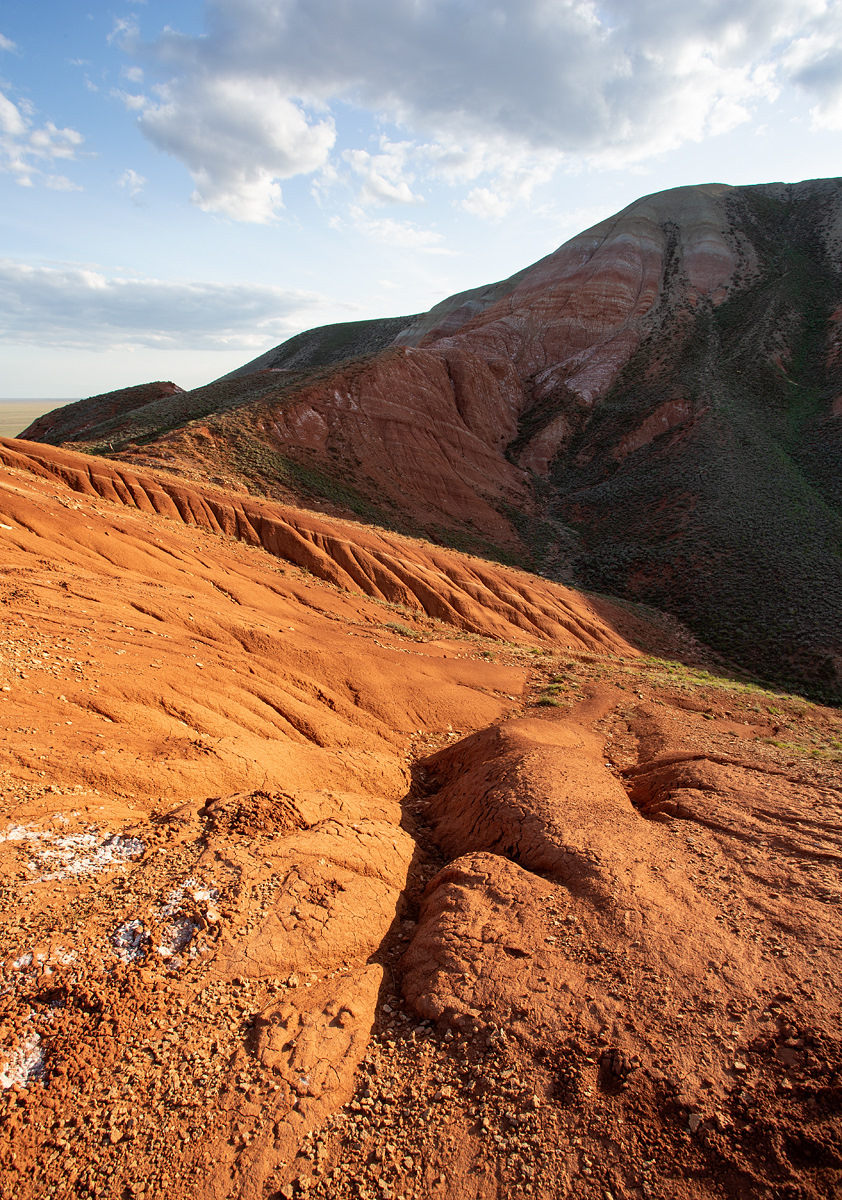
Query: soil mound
[336, 864]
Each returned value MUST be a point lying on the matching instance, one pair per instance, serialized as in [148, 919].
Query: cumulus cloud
[513, 177]
[25, 146]
[485, 203]
[79, 306]
[385, 177]
[813, 60]
[249, 102]
[238, 135]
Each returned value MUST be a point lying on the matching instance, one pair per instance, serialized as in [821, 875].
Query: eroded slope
[203, 766]
[362, 868]
[652, 410]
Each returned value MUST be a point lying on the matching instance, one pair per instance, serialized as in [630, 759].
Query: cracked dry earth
[309, 888]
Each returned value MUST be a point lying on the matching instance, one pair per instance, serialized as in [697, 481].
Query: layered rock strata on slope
[653, 408]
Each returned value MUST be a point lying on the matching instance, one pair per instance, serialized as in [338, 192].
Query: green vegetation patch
[732, 521]
[265, 468]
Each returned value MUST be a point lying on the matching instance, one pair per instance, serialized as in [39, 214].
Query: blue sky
[186, 184]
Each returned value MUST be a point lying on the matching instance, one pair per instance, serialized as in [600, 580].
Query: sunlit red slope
[334, 863]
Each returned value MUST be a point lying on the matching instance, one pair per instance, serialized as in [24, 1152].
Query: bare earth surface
[334, 864]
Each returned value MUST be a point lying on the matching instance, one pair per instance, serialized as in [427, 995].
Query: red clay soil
[334, 864]
[467, 593]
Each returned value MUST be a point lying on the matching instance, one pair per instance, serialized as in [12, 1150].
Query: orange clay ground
[334, 864]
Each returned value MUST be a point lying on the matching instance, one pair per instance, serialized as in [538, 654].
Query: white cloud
[132, 182]
[134, 102]
[51, 143]
[386, 177]
[124, 31]
[24, 145]
[12, 123]
[495, 95]
[512, 176]
[813, 60]
[60, 183]
[483, 202]
[238, 136]
[7, 44]
[79, 306]
[404, 235]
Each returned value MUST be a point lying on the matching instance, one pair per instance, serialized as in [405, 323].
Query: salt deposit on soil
[178, 928]
[176, 936]
[57, 856]
[128, 941]
[25, 1064]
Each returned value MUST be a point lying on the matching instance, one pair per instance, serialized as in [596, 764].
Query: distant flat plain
[17, 415]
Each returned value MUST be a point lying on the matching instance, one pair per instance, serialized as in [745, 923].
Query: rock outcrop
[651, 410]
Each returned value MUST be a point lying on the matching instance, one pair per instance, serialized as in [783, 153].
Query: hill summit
[654, 410]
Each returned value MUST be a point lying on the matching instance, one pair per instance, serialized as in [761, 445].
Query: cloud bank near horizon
[79, 307]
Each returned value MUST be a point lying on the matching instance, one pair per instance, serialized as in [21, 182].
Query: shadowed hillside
[654, 411]
[325, 345]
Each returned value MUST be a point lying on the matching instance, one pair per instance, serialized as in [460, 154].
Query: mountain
[654, 411]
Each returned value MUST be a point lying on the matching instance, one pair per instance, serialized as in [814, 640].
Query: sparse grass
[830, 751]
[329, 345]
[470, 541]
[404, 631]
[734, 522]
[681, 675]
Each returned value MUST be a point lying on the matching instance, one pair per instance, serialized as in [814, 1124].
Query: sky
[185, 184]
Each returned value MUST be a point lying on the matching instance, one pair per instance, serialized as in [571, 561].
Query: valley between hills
[341, 854]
